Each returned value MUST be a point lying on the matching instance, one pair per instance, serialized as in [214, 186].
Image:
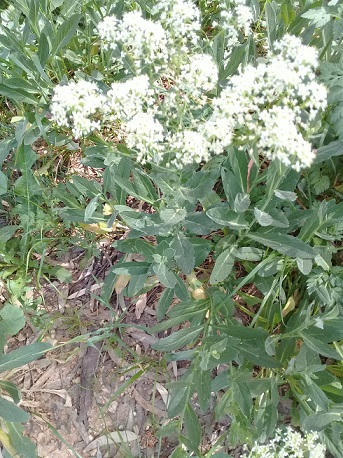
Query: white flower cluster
[145, 42]
[187, 147]
[198, 76]
[280, 139]
[141, 40]
[126, 99]
[271, 105]
[235, 16]
[289, 444]
[75, 104]
[145, 135]
[181, 18]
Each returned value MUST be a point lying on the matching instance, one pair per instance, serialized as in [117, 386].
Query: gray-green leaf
[178, 339]
[223, 266]
[285, 244]
[184, 253]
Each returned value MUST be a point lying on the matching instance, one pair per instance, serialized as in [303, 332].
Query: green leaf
[304, 265]
[7, 232]
[181, 290]
[218, 47]
[129, 188]
[201, 249]
[180, 394]
[193, 427]
[258, 356]
[136, 245]
[320, 347]
[172, 216]
[88, 188]
[61, 273]
[318, 16]
[287, 12]
[20, 442]
[164, 303]
[190, 305]
[270, 15]
[43, 49]
[235, 61]
[331, 150]
[226, 217]
[184, 253]
[262, 217]
[319, 420]
[22, 356]
[18, 95]
[202, 381]
[178, 339]
[242, 202]
[12, 320]
[284, 244]
[11, 412]
[11, 389]
[241, 394]
[279, 218]
[200, 185]
[26, 157]
[65, 33]
[285, 195]
[165, 275]
[199, 223]
[248, 253]
[131, 268]
[91, 208]
[223, 266]
[3, 183]
[176, 320]
[143, 185]
[231, 185]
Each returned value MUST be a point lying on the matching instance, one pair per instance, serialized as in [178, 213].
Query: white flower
[289, 444]
[145, 134]
[235, 16]
[125, 100]
[142, 40]
[244, 17]
[188, 147]
[74, 104]
[199, 75]
[218, 131]
[292, 50]
[280, 139]
[181, 18]
[109, 31]
[271, 105]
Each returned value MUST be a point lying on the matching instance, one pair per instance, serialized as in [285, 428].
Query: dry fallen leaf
[147, 405]
[163, 392]
[142, 337]
[61, 393]
[121, 283]
[140, 305]
[83, 291]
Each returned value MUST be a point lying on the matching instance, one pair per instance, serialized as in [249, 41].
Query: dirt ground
[106, 400]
